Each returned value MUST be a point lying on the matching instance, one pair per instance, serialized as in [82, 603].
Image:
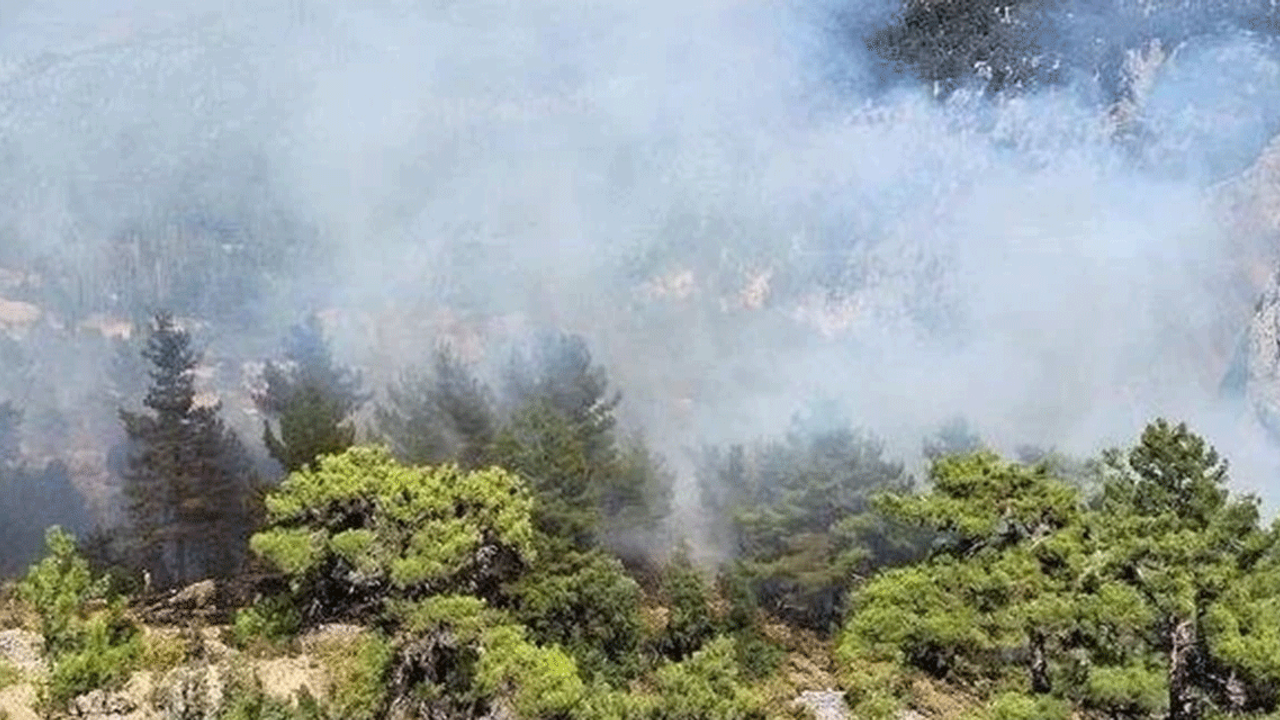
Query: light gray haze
[735, 207]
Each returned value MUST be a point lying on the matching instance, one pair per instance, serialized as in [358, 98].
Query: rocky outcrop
[17, 314]
[1249, 206]
[23, 649]
[1249, 209]
[1256, 372]
[1251, 201]
[208, 601]
[103, 705]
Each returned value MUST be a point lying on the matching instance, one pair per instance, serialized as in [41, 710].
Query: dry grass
[164, 649]
[9, 674]
[935, 699]
[15, 613]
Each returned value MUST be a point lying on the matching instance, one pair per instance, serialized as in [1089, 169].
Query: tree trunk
[1040, 683]
[181, 560]
[1182, 647]
[1234, 691]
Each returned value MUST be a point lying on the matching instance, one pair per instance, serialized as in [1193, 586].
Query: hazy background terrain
[744, 207]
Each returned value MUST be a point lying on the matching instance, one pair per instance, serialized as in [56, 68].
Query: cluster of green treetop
[486, 538]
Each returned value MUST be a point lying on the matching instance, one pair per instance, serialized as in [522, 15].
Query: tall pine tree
[186, 475]
[1174, 533]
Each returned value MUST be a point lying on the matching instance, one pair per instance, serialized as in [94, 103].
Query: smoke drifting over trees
[738, 208]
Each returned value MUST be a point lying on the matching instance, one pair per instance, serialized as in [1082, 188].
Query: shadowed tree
[186, 476]
[444, 414]
[31, 498]
[10, 434]
[560, 374]
[559, 433]
[801, 517]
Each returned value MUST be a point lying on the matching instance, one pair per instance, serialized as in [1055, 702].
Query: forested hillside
[670, 360]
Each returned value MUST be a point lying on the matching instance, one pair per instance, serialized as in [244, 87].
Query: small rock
[825, 704]
[102, 705]
[198, 601]
[22, 648]
[189, 692]
[197, 595]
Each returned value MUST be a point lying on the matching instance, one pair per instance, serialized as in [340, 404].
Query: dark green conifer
[437, 415]
[186, 475]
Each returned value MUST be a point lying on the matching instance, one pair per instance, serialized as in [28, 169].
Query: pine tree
[560, 432]
[561, 375]
[310, 397]
[801, 517]
[186, 475]
[443, 414]
[1173, 532]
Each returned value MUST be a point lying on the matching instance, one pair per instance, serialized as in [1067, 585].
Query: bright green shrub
[602, 702]
[464, 615]
[87, 650]
[58, 587]
[1132, 690]
[586, 604]
[706, 686]
[540, 682]
[361, 526]
[1020, 706]
[103, 655]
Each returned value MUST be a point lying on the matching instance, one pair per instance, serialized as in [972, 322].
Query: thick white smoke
[710, 191]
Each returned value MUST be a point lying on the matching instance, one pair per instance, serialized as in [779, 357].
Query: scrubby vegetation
[1132, 585]
[88, 638]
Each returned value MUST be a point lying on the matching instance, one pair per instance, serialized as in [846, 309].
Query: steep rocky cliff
[1251, 207]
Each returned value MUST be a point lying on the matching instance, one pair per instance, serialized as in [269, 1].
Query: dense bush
[88, 647]
[268, 624]
[706, 686]
[360, 529]
[586, 604]
[104, 655]
[358, 666]
[690, 621]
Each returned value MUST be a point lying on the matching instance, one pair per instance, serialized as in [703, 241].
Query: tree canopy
[1145, 601]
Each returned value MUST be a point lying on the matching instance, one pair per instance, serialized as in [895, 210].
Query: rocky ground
[825, 704]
